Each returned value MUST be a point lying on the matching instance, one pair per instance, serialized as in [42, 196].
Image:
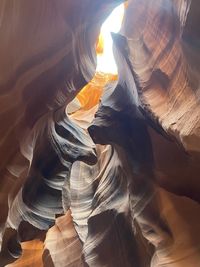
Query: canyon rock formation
[99, 169]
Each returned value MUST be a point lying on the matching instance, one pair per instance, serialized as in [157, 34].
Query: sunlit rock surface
[99, 169]
[160, 45]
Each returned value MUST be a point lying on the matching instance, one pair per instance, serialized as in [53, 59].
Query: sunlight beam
[105, 60]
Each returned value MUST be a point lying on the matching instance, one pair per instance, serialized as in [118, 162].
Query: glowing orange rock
[89, 96]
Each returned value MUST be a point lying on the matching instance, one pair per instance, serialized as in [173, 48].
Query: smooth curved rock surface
[98, 169]
[160, 40]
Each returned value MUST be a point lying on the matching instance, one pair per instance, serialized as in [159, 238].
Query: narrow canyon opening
[105, 58]
[106, 69]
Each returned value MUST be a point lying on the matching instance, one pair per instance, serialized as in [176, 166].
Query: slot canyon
[99, 133]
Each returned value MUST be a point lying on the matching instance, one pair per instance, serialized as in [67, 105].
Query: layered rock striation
[97, 169]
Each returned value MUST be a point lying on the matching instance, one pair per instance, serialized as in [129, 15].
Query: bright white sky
[106, 62]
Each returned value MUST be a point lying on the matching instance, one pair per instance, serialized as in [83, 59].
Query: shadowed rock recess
[96, 169]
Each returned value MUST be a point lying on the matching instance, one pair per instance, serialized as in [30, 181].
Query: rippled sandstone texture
[96, 183]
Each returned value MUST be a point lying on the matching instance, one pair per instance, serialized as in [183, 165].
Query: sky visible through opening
[105, 61]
